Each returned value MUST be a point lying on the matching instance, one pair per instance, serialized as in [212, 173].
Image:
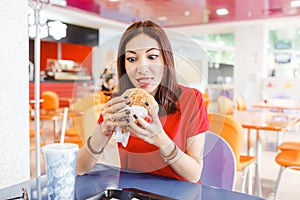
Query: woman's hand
[114, 113]
[152, 132]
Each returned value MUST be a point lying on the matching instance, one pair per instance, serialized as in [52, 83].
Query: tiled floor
[288, 189]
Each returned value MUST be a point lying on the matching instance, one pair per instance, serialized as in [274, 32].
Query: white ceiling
[91, 20]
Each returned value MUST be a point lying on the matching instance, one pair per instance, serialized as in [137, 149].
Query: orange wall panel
[78, 53]
[48, 50]
[75, 52]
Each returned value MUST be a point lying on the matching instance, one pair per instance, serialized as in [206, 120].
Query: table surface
[102, 177]
[49, 114]
[278, 105]
[264, 120]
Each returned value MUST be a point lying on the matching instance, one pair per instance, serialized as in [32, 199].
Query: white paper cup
[60, 162]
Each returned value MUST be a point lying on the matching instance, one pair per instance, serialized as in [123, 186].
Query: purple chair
[218, 163]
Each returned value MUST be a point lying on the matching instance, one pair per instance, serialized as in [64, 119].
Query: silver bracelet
[172, 155]
[91, 149]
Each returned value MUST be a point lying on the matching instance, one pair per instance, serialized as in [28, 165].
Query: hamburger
[140, 102]
[139, 97]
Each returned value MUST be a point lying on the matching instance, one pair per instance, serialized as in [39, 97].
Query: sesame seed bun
[139, 97]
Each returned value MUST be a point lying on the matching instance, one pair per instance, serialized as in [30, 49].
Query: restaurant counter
[64, 89]
[102, 180]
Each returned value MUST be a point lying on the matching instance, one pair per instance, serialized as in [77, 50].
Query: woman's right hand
[114, 113]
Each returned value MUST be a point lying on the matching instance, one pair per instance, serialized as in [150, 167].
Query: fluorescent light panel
[222, 11]
[295, 3]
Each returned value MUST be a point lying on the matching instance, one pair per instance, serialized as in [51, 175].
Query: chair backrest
[51, 100]
[31, 114]
[219, 166]
[230, 130]
[90, 100]
[206, 99]
[225, 105]
[240, 103]
[86, 123]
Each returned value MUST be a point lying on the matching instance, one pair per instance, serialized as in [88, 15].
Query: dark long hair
[168, 91]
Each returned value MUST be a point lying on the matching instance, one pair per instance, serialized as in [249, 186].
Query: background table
[280, 107]
[56, 115]
[267, 121]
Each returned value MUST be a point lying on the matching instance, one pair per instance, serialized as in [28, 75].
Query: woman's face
[144, 63]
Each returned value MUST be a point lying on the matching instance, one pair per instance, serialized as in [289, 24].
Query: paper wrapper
[118, 135]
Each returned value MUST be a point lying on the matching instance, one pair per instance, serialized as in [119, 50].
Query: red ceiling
[199, 11]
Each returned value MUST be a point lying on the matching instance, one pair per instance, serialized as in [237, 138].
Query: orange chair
[289, 145]
[241, 103]
[75, 139]
[206, 99]
[288, 158]
[225, 105]
[51, 100]
[49, 108]
[32, 132]
[232, 132]
[32, 139]
[74, 134]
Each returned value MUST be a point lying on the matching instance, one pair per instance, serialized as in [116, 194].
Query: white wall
[14, 89]
[249, 70]
[105, 53]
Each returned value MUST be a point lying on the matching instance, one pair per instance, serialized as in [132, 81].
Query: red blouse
[190, 120]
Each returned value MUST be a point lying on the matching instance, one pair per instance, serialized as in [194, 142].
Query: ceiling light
[162, 18]
[295, 3]
[59, 2]
[220, 43]
[57, 29]
[187, 13]
[112, 3]
[222, 11]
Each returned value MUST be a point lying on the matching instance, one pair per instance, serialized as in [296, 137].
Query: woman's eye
[152, 57]
[131, 59]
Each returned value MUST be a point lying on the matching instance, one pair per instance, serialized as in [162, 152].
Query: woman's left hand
[152, 132]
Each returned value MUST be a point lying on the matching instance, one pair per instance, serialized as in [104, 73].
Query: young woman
[172, 144]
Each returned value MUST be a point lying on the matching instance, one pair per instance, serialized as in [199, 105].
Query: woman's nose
[143, 69]
[143, 66]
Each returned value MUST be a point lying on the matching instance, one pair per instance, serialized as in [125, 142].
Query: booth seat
[90, 105]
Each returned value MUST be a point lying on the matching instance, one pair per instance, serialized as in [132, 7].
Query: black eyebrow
[152, 49]
[130, 51]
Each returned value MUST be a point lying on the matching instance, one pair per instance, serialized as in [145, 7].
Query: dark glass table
[103, 182]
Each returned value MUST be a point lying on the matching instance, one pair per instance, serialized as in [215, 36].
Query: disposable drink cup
[60, 160]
